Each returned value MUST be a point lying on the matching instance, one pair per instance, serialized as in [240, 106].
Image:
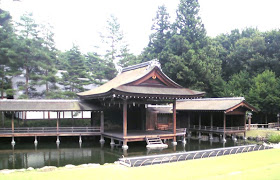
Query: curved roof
[214, 104]
[46, 105]
[145, 79]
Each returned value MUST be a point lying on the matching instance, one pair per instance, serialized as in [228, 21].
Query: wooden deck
[217, 130]
[138, 135]
[49, 131]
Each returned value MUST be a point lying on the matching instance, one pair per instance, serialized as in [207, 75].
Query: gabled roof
[141, 80]
[46, 105]
[214, 104]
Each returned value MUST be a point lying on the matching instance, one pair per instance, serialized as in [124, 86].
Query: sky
[82, 21]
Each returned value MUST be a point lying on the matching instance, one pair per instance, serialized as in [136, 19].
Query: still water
[25, 154]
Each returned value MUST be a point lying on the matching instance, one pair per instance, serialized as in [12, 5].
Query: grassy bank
[261, 133]
[253, 165]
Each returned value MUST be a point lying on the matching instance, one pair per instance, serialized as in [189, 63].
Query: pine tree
[161, 33]
[28, 49]
[188, 23]
[73, 79]
[8, 64]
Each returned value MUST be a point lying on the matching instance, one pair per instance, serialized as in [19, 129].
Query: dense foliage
[240, 63]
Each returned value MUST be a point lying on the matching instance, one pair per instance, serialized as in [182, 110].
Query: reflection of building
[24, 158]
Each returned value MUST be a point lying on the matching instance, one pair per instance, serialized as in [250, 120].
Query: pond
[25, 154]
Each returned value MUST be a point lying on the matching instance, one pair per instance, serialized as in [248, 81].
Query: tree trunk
[47, 84]
[26, 80]
[2, 84]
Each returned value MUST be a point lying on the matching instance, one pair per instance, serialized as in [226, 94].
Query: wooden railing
[51, 130]
[181, 131]
[215, 128]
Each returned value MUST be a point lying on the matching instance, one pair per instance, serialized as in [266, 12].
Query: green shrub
[274, 138]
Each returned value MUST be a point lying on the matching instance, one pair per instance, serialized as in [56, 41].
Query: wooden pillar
[57, 122]
[199, 125]
[49, 115]
[211, 125]
[124, 146]
[224, 133]
[189, 120]
[102, 141]
[102, 122]
[211, 120]
[91, 118]
[174, 122]
[63, 114]
[3, 119]
[125, 118]
[13, 123]
[249, 122]
[245, 126]
[199, 121]
[43, 114]
[189, 124]
[72, 118]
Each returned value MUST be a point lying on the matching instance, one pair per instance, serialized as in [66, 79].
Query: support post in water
[35, 141]
[13, 141]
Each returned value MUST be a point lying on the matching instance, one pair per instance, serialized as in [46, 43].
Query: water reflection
[24, 155]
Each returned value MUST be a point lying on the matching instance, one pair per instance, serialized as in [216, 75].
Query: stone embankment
[48, 168]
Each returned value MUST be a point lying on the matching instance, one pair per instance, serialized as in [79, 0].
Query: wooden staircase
[155, 142]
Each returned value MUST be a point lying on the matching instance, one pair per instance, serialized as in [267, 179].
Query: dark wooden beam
[102, 122]
[13, 123]
[245, 126]
[224, 135]
[174, 120]
[125, 118]
[57, 122]
[211, 120]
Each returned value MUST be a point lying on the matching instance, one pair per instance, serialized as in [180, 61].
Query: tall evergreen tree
[112, 38]
[8, 64]
[28, 48]
[161, 33]
[73, 79]
[264, 93]
[189, 57]
[188, 23]
[48, 57]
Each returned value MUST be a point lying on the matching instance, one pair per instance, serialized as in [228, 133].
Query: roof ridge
[154, 62]
[215, 99]
[39, 100]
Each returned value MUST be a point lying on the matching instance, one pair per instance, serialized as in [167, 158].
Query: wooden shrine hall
[139, 103]
[126, 97]
[222, 116]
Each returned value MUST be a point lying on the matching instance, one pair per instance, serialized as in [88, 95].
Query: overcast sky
[81, 21]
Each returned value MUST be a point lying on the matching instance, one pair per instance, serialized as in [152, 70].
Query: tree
[239, 84]
[8, 60]
[189, 57]
[112, 37]
[47, 57]
[28, 45]
[99, 68]
[73, 79]
[188, 23]
[161, 33]
[264, 93]
[127, 58]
